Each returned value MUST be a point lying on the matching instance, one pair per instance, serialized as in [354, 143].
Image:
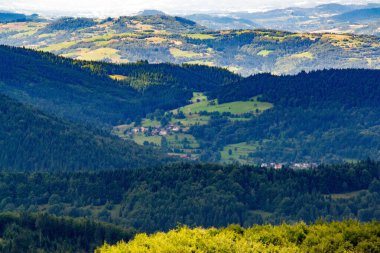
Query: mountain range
[192, 111]
[336, 18]
[155, 123]
[160, 38]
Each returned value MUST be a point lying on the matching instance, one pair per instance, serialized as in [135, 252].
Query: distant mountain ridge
[359, 15]
[6, 17]
[167, 39]
[296, 19]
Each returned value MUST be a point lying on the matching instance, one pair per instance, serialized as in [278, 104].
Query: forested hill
[46, 233]
[352, 87]
[322, 116]
[31, 140]
[157, 199]
[85, 91]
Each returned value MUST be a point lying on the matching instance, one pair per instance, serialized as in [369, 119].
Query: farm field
[151, 131]
[238, 152]
[201, 103]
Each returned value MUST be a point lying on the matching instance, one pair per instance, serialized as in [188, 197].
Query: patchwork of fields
[171, 39]
[173, 136]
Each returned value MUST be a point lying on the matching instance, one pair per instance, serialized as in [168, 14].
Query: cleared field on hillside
[238, 152]
[201, 103]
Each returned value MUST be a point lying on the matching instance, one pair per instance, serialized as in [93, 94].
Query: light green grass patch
[24, 34]
[238, 107]
[306, 55]
[177, 141]
[191, 120]
[238, 152]
[100, 54]
[178, 53]
[59, 46]
[264, 53]
[150, 123]
[199, 36]
[207, 63]
[141, 138]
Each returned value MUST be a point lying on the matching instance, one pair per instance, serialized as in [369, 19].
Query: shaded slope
[31, 140]
[84, 91]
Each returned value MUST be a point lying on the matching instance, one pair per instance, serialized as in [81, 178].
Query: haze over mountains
[336, 18]
[160, 38]
[211, 119]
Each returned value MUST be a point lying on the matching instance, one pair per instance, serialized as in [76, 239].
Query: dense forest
[32, 233]
[199, 195]
[347, 236]
[322, 116]
[31, 140]
[83, 91]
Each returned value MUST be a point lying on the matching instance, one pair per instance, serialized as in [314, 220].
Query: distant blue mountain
[358, 15]
[6, 17]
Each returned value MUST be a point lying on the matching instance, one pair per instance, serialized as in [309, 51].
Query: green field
[201, 103]
[264, 53]
[178, 53]
[238, 152]
[191, 120]
[306, 55]
[184, 143]
[200, 36]
[58, 46]
[141, 138]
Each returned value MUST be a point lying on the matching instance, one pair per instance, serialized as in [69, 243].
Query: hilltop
[161, 38]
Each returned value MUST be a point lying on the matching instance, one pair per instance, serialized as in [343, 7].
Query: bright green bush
[347, 236]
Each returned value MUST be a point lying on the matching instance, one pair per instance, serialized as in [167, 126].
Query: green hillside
[85, 92]
[161, 38]
[31, 140]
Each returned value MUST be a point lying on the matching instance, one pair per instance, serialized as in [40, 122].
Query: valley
[234, 130]
[169, 130]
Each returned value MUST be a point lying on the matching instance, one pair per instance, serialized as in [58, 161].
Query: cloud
[125, 7]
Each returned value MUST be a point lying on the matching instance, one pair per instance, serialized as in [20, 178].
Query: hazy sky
[125, 7]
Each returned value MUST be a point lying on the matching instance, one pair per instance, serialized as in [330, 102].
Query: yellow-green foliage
[184, 54]
[307, 55]
[59, 46]
[264, 53]
[201, 103]
[200, 36]
[347, 236]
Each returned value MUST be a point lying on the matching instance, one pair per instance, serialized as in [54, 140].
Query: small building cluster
[296, 166]
[155, 130]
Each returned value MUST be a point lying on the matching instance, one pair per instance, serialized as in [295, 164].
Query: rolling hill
[359, 15]
[31, 140]
[85, 91]
[321, 18]
[161, 38]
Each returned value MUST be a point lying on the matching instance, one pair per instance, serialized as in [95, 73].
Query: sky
[104, 8]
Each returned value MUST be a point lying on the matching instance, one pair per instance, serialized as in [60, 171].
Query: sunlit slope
[171, 39]
[347, 236]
